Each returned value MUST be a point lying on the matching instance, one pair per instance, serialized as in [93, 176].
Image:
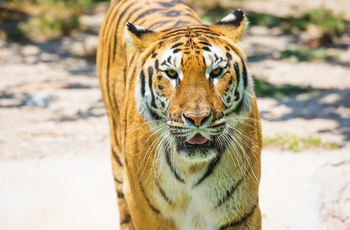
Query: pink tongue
[197, 140]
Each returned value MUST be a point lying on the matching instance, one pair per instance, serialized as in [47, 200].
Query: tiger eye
[216, 72]
[171, 73]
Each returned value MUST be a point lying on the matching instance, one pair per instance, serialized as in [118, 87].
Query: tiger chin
[184, 124]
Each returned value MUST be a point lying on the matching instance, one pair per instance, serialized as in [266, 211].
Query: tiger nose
[196, 119]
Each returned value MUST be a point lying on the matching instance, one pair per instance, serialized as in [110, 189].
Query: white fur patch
[228, 18]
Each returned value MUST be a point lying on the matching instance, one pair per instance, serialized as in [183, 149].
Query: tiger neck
[184, 171]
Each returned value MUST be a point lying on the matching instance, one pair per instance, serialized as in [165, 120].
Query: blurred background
[54, 144]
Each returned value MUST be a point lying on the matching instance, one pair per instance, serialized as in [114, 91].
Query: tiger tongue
[197, 140]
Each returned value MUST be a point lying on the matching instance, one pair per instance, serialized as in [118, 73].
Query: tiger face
[193, 87]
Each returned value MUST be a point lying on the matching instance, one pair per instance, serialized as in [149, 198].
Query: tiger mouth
[197, 142]
[197, 139]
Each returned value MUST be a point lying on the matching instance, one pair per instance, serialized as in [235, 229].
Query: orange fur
[186, 144]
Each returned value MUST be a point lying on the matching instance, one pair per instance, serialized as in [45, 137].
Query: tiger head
[193, 85]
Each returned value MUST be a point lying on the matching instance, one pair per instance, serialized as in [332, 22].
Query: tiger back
[184, 124]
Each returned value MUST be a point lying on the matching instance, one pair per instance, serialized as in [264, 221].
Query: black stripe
[221, 125]
[213, 163]
[172, 13]
[205, 30]
[206, 43]
[173, 33]
[180, 23]
[126, 220]
[176, 45]
[118, 22]
[120, 195]
[239, 106]
[240, 220]
[207, 33]
[231, 190]
[133, 75]
[147, 13]
[206, 48]
[150, 82]
[143, 83]
[173, 170]
[153, 114]
[116, 157]
[150, 71]
[238, 78]
[216, 57]
[109, 95]
[110, 32]
[128, 66]
[161, 190]
[118, 181]
[156, 65]
[228, 56]
[107, 37]
[154, 209]
[163, 63]
[245, 77]
[236, 109]
[156, 25]
[203, 58]
[174, 3]
[230, 82]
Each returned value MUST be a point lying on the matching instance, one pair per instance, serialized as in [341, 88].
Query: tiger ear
[140, 36]
[232, 26]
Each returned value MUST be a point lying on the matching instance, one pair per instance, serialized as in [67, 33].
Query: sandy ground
[54, 150]
[57, 193]
[77, 192]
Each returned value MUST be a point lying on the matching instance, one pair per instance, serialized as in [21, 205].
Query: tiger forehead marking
[184, 125]
[190, 54]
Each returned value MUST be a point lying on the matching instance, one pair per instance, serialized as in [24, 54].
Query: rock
[48, 57]
[30, 50]
[40, 99]
[2, 43]
[90, 45]
[86, 48]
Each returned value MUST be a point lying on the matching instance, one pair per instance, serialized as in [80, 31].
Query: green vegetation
[331, 26]
[46, 26]
[68, 3]
[297, 54]
[296, 144]
[47, 19]
[265, 89]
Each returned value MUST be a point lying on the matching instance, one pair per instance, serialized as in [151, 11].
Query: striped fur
[184, 125]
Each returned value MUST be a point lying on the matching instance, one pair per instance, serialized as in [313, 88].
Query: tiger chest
[185, 202]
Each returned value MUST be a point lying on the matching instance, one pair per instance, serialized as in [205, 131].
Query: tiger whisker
[246, 157]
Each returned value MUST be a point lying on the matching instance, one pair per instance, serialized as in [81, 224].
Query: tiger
[184, 124]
